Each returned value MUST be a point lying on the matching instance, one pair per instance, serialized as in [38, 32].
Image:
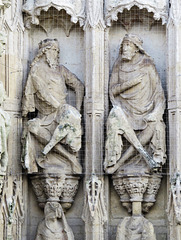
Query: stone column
[94, 120]
[174, 111]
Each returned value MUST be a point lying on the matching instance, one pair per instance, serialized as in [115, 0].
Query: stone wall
[89, 35]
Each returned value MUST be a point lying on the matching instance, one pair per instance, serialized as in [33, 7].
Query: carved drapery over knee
[135, 145]
[52, 139]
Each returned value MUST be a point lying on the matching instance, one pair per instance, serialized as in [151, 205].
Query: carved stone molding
[56, 188]
[94, 199]
[94, 208]
[94, 14]
[69, 190]
[2, 179]
[121, 191]
[12, 208]
[175, 198]
[113, 7]
[73, 8]
[175, 11]
[2, 42]
[5, 4]
[136, 187]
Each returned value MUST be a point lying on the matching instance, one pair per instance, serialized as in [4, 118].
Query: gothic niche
[4, 132]
[51, 140]
[135, 145]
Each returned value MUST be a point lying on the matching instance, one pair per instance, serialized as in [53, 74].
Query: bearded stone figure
[54, 226]
[135, 127]
[52, 139]
[135, 145]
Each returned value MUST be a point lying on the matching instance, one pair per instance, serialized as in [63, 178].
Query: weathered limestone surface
[56, 121]
[72, 182]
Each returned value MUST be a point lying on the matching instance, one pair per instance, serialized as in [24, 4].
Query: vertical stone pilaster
[94, 118]
[174, 111]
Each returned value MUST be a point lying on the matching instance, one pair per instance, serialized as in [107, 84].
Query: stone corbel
[157, 7]
[33, 9]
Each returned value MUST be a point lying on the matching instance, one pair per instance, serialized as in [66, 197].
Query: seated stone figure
[4, 132]
[54, 226]
[54, 135]
[135, 127]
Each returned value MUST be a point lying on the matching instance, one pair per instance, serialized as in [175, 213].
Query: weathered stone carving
[138, 105]
[12, 214]
[5, 3]
[94, 14]
[94, 207]
[159, 8]
[135, 145]
[2, 42]
[4, 131]
[137, 227]
[52, 139]
[137, 188]
[33, 10]
[55, 225]
[175, 198]
[55, 187]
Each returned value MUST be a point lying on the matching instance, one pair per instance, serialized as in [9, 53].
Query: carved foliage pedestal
[55, 188]
[55, 193]
[137, 193]
[137, 189]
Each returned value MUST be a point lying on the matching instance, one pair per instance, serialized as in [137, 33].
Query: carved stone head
[130, 45]
[50, 48]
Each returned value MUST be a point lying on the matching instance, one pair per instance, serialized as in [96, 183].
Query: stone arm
[74, 83]
[121, 87]
[158, 97]
[115, 88]
[114, 81]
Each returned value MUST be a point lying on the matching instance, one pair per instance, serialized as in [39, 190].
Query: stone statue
[135, 127]
[135, 228]
[54, 135]
[54, 226]
[4, 132]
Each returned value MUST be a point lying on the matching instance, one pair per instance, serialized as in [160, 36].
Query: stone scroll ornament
[52, 138]
[135, 145]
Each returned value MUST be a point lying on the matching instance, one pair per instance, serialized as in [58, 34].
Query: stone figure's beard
[53, 63]
[127, 56]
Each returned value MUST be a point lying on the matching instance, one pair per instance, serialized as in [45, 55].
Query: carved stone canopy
[33, 9]
[113, 7]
